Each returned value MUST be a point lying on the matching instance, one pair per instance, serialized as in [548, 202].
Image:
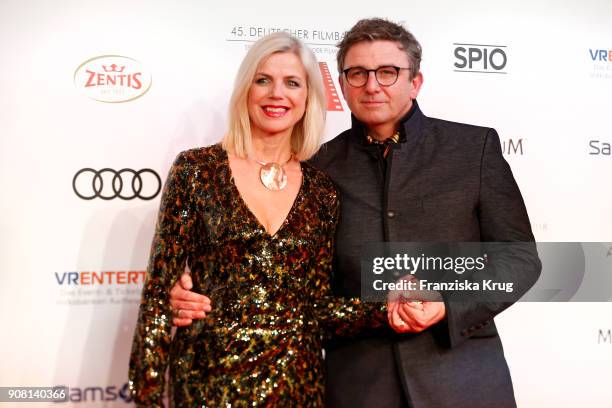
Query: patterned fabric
[384, 144]
[272, 306]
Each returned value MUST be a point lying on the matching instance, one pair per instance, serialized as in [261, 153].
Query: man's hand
[414, 317]
[187, 305]
[409, 312]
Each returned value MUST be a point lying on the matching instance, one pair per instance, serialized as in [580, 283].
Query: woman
[255, 224]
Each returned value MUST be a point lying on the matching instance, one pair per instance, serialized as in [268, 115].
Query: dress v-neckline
[254, 218]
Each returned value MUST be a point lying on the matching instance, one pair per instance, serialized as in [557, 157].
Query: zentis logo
[112, 78]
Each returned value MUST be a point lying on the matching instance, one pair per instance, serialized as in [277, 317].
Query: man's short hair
[372, 29]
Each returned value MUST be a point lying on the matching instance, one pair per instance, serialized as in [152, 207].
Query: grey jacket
[445, 182]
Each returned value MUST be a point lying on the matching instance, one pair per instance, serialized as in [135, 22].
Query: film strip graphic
[333, 100]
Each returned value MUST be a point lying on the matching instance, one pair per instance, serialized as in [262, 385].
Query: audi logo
[126, 184]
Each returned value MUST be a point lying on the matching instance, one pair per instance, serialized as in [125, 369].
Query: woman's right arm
[169, 250]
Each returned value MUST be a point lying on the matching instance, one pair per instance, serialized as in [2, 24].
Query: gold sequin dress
[272, 307]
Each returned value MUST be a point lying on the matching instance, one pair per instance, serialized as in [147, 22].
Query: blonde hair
[307, 133]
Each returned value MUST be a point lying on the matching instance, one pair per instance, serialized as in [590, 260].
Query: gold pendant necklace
[272, 174]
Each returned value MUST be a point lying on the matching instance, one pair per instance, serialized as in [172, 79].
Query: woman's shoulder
[202, 158]
[208, 155]
[199, 164]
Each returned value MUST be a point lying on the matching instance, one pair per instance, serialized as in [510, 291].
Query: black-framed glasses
[385, 75]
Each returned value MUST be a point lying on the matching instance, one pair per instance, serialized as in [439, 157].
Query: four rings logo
[125, 184]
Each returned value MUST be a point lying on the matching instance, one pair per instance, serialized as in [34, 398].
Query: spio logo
[480, 58]
[112, 78]
[107, 184]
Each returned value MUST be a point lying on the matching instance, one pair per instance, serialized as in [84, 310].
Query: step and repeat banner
[98, 98]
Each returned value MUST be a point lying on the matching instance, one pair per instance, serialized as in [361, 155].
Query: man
[406, 177]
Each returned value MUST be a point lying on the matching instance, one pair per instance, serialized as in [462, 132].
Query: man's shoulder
[444, 126]
[459, 127]
[330, 150]
[338, 142]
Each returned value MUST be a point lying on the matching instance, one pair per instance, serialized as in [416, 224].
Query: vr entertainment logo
[602, 63]
[99, 288]
[601, 55]
[481, 58]
[101, 278]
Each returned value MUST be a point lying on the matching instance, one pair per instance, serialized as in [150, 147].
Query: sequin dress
[272, 307]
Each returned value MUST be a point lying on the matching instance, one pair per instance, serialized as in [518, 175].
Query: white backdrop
[550, 102]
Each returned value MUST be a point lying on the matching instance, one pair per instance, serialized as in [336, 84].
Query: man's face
[380, 107]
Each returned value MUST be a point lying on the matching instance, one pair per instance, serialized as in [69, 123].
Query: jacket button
[390, 213]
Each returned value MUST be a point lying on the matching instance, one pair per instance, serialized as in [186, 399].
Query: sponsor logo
[109, 393]
[112, 78]
[333, 100]
[99, 288]
[101, 278]
[513, 147]
[604, 336]
[600, 55]
[599, 148]
[481, 58]
[107, 184]
[304, 34]
[602, 63]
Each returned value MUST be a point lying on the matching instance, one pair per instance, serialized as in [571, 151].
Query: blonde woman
[255, 224]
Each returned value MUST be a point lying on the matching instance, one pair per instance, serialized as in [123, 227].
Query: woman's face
[277, 96]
